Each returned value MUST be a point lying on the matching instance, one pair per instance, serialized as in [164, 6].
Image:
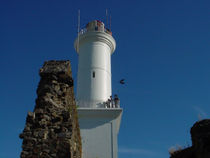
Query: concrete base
[99, 130]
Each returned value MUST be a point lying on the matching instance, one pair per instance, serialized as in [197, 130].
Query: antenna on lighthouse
[110, 23]
[78, 31]
[107, 18]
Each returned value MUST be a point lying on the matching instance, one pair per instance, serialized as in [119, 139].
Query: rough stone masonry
[52, 129]
[200, 135]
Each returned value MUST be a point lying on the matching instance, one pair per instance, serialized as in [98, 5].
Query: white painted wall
[95, 49]
[99, 131]
[99, 126]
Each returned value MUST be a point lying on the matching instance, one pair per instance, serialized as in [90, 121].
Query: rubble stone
[200, 135]
[52, 129]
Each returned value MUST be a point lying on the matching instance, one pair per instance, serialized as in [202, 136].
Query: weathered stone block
[200, 135]
[49, 130]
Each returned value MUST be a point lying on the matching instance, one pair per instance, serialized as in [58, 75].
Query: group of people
[112, 103]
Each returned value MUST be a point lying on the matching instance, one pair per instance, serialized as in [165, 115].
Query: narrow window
[94, 74]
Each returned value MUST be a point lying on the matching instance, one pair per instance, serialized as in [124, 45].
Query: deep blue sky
[163, 52]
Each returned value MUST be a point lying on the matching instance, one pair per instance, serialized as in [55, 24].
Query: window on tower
[94, 74]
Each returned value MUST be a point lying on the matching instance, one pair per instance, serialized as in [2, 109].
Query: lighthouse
[99, 112]
[94, 46]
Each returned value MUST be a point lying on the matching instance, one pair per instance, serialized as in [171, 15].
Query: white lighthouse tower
[99, 114]
[94, 46]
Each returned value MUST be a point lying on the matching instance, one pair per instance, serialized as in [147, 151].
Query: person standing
[116, 101]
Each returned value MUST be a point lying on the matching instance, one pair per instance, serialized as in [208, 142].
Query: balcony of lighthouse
[108, 104]
[95, 26]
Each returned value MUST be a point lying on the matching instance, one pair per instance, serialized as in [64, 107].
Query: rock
[200, 135]
[49, 130]
[21, 136]
[31, 114]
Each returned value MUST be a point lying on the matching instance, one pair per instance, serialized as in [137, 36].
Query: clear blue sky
[163, 52]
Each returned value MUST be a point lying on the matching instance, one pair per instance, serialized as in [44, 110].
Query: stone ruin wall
[200, 135]
[52, 129]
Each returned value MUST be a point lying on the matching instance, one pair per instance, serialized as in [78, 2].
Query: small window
[94, 74]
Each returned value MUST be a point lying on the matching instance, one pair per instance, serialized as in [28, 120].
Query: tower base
[99, 129]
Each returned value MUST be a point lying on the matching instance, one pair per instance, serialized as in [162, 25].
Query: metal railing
[115, 103]
[84, 30]
[112, 104]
